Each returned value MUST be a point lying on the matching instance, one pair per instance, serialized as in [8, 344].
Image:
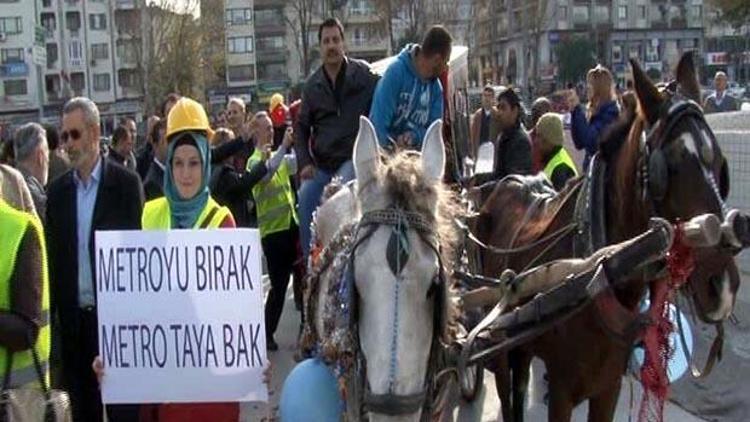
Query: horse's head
[684, 174]
[398, 271]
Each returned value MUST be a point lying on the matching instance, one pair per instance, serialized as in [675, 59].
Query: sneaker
[271, 345]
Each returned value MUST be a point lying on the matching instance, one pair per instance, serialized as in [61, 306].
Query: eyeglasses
[73, 134]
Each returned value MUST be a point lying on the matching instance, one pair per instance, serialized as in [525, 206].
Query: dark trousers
[281, 253]
[80, 380]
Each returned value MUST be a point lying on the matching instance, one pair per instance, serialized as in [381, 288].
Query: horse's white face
[395, 312]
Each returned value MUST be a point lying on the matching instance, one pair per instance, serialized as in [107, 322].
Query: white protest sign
[181, 316]
[485, 158]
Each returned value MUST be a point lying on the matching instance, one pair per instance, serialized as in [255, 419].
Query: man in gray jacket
[32, 160]
[334, 97]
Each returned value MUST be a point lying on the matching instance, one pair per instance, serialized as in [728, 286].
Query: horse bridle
[655, 170]
[654, 184]
[400, 221]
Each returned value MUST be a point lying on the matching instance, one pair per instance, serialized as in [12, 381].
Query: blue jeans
[309, 198]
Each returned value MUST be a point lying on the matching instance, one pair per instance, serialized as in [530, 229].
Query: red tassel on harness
[656, 338]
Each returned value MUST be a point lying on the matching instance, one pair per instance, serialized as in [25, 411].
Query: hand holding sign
[184, 309]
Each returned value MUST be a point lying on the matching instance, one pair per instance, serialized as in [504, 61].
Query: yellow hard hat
[276, 99]
[188, 114]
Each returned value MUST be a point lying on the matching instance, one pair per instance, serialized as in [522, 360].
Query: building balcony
[363, 16]
[125, 4]
[678, 23]
[268, 4]
[659, 24]
[75, 62]
[273, 55]
[268, 27]
[53, 96]
[363, 44]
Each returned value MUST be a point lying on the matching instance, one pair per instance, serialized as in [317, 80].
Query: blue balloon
[311, 394]
[677, 364]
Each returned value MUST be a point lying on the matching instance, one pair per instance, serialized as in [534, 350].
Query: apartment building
[92, 48]
[727, 48]
[517, 40]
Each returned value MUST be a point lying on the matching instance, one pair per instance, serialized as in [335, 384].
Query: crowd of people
[264, 169]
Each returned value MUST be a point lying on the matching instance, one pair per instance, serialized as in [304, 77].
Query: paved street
[485, 409]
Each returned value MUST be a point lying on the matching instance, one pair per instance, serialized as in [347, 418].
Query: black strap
[206, 221]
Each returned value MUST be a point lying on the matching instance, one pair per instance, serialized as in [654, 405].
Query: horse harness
[397, 252]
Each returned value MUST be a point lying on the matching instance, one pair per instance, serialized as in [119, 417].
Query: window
[240, 45]
[562, 13]
[15, 87]
[46, 3]
[52, 85]
[359, 37]
[101, 82]
[11, 26]
[635, 52]
[580, 14]
[127, 78]
[98, 21]
[617, 53]
[77, 81]
[73, 21]
[49, 22]
[697, 11]
[652, 52]
[240, 73]
[52, 54]
[75, 51]
[12, 55]
[641, 12]
[100, 51]
[239, 16]
[126, 50]
[622, 12]
[272, 71]
[601, 14]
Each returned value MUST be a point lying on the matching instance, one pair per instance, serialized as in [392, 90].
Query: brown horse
[689, 178]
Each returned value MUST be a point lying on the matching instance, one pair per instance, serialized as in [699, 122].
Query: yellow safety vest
[13, 226]
[156, 215]
[274, 201]
[561, 157]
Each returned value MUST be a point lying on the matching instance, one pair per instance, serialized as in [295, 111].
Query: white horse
[399, 217]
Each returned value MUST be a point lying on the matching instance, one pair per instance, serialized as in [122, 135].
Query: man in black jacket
[513, 148]
[233, 188]
[96, 194]
[333, 99]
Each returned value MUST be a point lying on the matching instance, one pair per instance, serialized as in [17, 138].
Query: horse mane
[406, 186]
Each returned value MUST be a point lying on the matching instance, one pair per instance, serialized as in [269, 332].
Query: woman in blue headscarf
[187, 204]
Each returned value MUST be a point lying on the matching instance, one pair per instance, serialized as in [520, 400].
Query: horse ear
[366, 152]
[687, 79]
[433, 151]
[648, 95]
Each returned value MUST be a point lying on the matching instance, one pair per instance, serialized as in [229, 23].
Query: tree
[575, 58]
[734, 12]
[166, 43]
[301, 22]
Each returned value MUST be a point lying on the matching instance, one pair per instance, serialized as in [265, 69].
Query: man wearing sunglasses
[96, 194]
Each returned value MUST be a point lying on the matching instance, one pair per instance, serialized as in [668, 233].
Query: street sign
[39, 51]
[39, 55]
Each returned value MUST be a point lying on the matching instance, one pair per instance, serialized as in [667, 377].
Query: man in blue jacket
[409, 97]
